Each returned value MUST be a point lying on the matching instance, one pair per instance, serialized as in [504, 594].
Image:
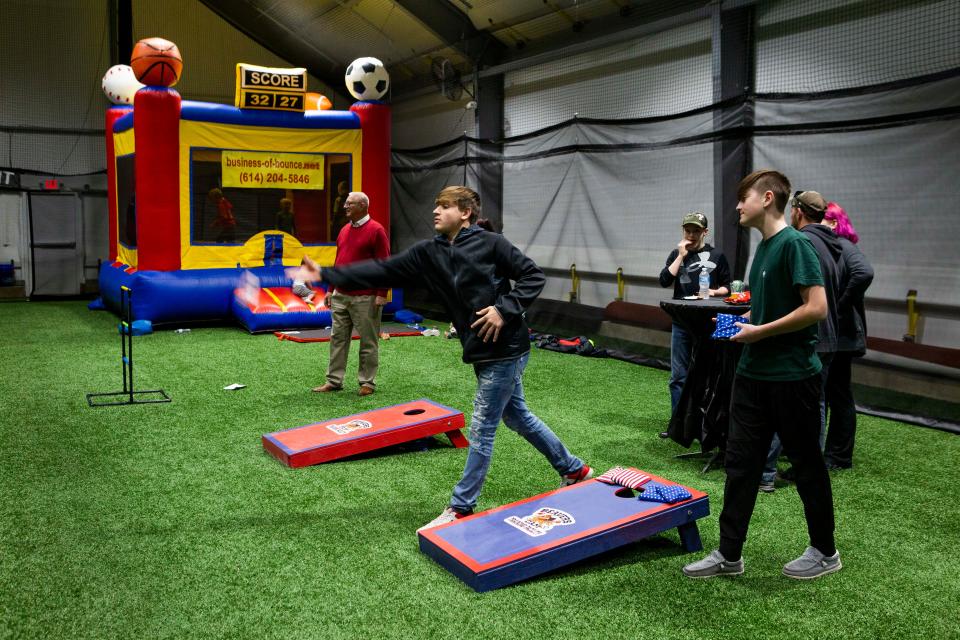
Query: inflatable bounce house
[204, 197]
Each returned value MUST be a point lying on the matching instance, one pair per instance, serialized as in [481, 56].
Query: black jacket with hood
[851, 316]
[830, 252]
[469, 274]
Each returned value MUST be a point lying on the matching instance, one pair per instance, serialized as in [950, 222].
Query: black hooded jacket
[468, 275]
[830, 252]
[850, 312]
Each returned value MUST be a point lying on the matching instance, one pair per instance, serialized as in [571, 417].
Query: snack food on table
[738, 298]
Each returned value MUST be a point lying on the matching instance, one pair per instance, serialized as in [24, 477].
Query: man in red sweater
[362, 238]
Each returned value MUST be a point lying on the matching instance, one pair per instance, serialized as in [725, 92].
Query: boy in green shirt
[777, 386]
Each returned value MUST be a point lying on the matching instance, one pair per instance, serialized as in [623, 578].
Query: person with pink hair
[836, 218]
[851, 341]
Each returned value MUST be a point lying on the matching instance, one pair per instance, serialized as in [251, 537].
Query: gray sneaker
[767, 487]
[812, 564]
[713, 565]
[446, 516]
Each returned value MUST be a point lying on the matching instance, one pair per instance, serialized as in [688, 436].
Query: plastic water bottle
[704, 283]
[182, 331]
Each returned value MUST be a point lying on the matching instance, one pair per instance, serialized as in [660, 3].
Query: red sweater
[356, 244]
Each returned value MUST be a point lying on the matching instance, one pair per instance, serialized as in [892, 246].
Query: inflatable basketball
[156, 62]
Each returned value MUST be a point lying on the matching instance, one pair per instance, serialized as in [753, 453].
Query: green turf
[170, 521]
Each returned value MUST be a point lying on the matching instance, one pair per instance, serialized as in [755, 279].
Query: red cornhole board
[362, 432]
[517, 541]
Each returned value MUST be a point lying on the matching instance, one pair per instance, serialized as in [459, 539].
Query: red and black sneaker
[585, 473]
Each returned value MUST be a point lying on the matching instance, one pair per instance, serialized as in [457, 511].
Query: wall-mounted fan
[448, 81]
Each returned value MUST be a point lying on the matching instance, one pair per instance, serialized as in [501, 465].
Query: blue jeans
[500, 395]
[776, 448]
[680, 343]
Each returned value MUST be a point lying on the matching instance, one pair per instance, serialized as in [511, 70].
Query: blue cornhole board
[523, 539]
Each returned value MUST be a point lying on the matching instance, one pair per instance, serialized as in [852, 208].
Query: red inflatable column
[156, 126]
[375, 122]
[113, 114]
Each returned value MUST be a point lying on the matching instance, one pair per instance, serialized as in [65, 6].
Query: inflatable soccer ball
[366, 79]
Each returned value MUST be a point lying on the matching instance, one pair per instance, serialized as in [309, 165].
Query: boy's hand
[682, 247]
[489, 323]
[748, 333]
[302, 273]
[308, 271]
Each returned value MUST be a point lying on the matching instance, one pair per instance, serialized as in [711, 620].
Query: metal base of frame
[130, 398]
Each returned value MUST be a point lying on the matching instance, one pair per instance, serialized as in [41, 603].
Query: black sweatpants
[792, 410]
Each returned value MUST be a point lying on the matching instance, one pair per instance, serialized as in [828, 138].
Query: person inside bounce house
[285, 221]
[225, 220]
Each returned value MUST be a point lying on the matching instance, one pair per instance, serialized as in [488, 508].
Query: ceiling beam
[603, 32]
[456, 29]
[597, 34]
[276, 38]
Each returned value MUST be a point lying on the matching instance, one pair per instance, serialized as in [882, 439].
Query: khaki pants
[348, 313]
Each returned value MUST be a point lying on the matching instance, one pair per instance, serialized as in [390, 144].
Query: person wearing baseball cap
[682, 270]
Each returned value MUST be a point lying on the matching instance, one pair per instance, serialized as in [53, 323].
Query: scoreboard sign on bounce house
[202, 193]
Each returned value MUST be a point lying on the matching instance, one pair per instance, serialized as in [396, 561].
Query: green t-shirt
[782, 265]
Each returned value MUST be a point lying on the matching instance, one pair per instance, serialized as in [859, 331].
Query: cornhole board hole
[323, 335]
[523, 539]
[362, 432]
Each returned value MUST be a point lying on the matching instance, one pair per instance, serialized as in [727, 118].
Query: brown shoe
[326, 388]
[365, 391]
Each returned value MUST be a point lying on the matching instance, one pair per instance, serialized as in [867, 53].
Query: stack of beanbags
[650, 490]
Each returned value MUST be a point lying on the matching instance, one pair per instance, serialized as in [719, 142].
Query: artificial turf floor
[170, 521]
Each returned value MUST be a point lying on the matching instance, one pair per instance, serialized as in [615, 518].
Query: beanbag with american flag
[668, 494]
[625, 477]
[726, 326]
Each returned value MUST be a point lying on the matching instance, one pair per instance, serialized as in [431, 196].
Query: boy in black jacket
[470, 270]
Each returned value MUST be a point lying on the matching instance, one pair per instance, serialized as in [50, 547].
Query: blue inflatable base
[203, 295]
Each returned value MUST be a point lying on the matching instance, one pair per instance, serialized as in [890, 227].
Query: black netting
[659, 74]
[51, 104]
[431, 119]
[811, 46]
[417, 177]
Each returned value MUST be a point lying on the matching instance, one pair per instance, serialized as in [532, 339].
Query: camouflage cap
[696, 218]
